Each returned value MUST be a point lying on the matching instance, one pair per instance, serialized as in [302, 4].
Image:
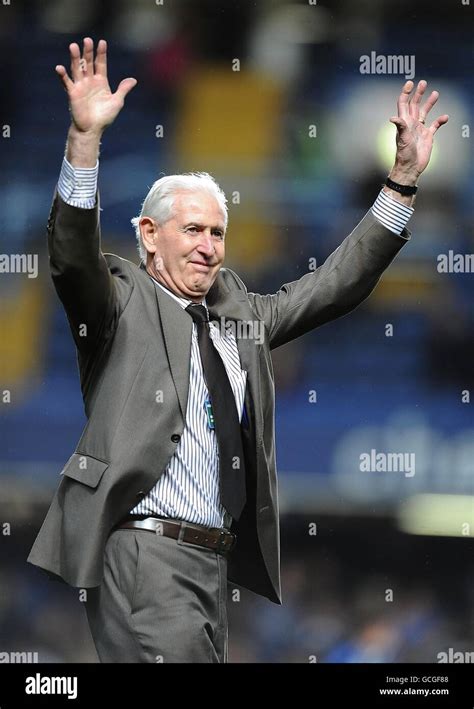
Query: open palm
[414, 138]
[92, 104]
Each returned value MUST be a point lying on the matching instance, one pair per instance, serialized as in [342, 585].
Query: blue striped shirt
[392, 214]
[189, 487]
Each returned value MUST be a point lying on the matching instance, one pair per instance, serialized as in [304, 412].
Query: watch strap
[405, 190]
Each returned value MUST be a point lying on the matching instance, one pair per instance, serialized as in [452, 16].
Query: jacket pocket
[85, 469]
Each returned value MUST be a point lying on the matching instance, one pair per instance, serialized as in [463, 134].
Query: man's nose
[206, 244]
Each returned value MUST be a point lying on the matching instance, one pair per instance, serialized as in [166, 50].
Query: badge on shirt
[209, 414]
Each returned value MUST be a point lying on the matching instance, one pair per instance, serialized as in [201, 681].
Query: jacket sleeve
[81, 275]
[338, 286]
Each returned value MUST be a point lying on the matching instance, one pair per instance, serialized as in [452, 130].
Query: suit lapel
[177, 331]
[233, 305]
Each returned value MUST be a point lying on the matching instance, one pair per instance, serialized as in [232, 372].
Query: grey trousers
[161, 600]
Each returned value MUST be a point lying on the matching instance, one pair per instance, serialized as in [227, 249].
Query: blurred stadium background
[292, 197]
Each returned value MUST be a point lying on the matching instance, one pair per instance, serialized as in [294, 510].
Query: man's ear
[148, 233]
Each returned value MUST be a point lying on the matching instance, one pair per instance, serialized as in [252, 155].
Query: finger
[125, 86]
[416, 99]
[75, 53]
[63, 75]
[429, 103]
[403, 99]
[101, 58]
[400, 123]
[440, 121]
[88, 57]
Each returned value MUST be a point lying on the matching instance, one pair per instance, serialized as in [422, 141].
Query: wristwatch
[405, 190]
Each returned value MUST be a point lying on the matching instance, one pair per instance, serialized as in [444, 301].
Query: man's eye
[192, 229]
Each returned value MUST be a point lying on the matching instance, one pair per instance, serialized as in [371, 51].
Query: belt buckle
[222, 536]
[182, 529]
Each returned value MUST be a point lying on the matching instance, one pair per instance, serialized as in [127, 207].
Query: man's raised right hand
[92, 104]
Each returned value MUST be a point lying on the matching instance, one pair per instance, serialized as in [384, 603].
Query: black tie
[226, 420]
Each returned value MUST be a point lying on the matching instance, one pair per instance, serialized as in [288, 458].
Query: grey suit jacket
[133, 340]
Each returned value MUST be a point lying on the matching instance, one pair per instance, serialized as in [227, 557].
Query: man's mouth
[201, 264]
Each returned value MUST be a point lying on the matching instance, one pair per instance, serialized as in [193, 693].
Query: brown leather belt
[221, 540]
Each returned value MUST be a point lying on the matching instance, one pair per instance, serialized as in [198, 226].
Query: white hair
[159, 202]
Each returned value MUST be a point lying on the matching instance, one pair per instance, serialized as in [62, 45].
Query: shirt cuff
[77, 186]
[392, 214]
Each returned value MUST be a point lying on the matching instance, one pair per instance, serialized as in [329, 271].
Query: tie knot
[198, 313]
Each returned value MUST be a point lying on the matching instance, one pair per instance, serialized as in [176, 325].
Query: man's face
[186, 253]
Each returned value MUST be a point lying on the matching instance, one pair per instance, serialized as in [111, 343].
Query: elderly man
[172, 488]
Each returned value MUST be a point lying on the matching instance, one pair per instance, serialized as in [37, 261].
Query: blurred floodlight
[438, 515]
